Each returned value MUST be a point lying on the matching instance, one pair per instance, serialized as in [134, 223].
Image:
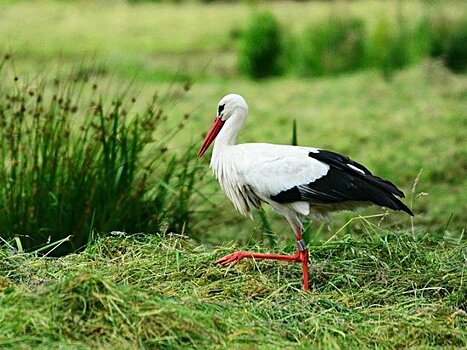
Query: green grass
[380, 289]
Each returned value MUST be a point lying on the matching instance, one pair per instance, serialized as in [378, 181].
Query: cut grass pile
[381, 289]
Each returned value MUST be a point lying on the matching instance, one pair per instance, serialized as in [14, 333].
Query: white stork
[297, 182]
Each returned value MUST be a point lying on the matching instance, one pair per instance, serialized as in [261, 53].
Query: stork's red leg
[304, 261]
[301, 256]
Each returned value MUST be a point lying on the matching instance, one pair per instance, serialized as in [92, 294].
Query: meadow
[142, 83]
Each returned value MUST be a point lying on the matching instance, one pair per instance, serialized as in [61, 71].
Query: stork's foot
[233, 258]
[301, 256]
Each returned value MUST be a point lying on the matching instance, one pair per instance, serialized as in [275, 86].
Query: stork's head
[230, 105]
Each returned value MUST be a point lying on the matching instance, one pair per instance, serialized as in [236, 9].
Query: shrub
[456, 50]
[394, 45]
[261, 47]
[420, 41]
[74, 160]
[334, 46]
[389, 46]
[449, 42]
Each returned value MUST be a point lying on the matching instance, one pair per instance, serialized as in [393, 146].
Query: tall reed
[75, 159]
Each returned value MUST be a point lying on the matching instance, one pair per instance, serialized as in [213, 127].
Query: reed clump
[76, 159]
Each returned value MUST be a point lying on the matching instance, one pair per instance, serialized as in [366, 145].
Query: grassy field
[380, 282]
[383, 290]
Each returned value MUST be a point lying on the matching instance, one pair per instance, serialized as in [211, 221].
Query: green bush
[74, 159]
[261, 47]
[456, 51]
[389, 46]
[342, 44]
[396, 44]
[449, 42]
[333, 46]
[420, 41]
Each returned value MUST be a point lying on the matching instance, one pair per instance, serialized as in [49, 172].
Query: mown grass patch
[384, 289]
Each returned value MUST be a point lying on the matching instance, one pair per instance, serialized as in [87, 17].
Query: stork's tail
[390, 201]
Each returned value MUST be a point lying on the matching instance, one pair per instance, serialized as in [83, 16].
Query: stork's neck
[228, 134]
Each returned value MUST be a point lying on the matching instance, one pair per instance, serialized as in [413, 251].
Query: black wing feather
[342, 162]
[346, 180]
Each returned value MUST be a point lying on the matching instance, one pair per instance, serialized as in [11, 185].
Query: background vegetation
[75, 159]
[342, 43]
[101, 107]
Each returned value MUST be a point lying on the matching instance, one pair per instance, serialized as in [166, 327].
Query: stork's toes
[231, 258]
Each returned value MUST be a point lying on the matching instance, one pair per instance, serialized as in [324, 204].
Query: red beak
[211, 135]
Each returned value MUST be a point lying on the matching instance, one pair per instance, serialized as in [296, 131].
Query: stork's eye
[221, 108]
